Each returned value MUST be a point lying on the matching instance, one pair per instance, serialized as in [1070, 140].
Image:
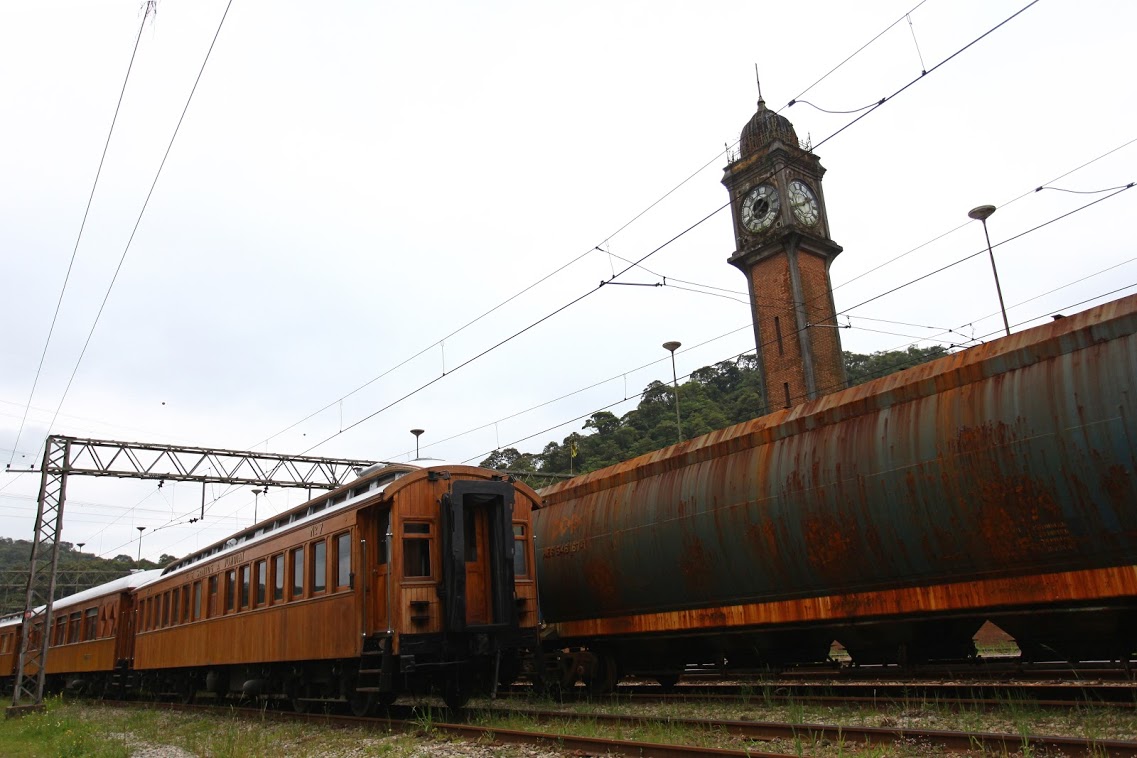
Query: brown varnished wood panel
[319, 628]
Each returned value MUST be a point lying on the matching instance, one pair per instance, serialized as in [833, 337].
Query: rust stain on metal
[1007, 464]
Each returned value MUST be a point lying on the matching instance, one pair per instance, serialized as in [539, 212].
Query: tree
[729, 392]
[862, 368]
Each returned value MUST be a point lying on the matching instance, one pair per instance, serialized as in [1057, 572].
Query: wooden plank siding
[9, 649]
[84, 637]
[200, 629]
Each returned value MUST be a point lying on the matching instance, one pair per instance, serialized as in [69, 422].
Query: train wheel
[361, 704]
[456, 693]
[604, 676]
[297, 691]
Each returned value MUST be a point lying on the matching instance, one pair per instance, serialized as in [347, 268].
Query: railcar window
[165, 609]
[297, 574]
[174, 609]
[230, 591]
[520, 561]
[384, 525]
[196, 601]
[211, 606]
[60, 629]
[343, 559]
[470, 533]
[73, 628]
[185, 604]
[278, 577]
[262, 581]
[90, 620]
[245, 575]
[319, 566]
[416, 549]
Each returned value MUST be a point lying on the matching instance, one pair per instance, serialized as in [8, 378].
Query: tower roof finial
[759, 80]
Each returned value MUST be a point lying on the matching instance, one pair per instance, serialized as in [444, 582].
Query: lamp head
[981, 213]
[672, 346]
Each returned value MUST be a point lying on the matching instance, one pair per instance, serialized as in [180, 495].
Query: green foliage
[76, 571]
[715, 397]
[862, 368]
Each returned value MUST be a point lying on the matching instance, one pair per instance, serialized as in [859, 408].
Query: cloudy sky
[355, 182]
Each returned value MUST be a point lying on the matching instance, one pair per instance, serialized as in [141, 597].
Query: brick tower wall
[825, 339]
[781, 359]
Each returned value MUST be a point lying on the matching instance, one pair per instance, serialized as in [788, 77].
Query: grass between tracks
[1017, 717]
[69, 729]
[74, 730]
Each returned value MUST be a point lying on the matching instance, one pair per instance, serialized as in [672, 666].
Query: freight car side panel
[1014, 459]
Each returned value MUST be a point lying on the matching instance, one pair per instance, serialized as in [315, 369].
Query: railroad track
[553, 728]
[1067, 693]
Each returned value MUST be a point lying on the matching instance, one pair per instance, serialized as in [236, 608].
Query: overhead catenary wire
[138, 221]
[580, 256]
[148, 10]
[710, 215]
[627, 398]
[507, 339]
[910, 282]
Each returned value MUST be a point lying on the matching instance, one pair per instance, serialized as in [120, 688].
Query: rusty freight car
[894, 517]
[412, 578]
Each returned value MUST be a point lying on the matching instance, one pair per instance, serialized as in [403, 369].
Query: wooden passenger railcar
[9, 650]
[410, 578]
[92, 635]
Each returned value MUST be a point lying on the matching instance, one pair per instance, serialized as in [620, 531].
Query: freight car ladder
[375, 665]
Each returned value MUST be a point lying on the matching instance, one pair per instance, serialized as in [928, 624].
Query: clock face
[760, 208]
[804, 203]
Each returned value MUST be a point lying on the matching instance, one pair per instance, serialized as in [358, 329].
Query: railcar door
[478, 546]
[479, 609]
[374, 527]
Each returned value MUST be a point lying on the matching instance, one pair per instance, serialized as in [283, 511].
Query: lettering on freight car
[566, 549]
[234, 559]
[316, 531]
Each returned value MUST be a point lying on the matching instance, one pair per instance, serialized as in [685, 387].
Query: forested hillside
[714, 397]
[76, 571]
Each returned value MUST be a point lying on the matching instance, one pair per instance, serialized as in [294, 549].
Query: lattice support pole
[35, 632]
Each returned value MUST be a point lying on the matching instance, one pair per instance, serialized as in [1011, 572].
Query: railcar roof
[122, 584]
[384, 474]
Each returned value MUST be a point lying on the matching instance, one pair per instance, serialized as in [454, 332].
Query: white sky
[356, 180]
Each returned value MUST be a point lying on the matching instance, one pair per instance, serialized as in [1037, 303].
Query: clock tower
[782, 245]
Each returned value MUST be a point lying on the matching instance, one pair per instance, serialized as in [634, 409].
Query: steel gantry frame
[64, 457]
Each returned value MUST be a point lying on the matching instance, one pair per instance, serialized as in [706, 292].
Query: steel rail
[566, 742]
[810, 733]
[953, 741]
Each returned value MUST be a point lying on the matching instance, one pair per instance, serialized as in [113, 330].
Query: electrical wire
[653, 252]
[639, 261]
[82, 225]
[594, 248]
[138, 221]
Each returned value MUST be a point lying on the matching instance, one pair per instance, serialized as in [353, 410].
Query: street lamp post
[671, 347]
[256, 501]
[140, 530]
[982, 213]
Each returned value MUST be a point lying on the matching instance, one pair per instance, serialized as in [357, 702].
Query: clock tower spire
[782, 245]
